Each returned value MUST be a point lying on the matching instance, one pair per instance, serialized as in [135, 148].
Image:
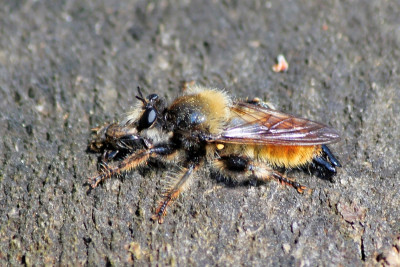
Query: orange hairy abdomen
[275, 155]
[286, 156]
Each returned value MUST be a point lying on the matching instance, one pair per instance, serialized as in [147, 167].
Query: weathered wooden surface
[67, 66]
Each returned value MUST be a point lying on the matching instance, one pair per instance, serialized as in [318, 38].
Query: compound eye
[148, 118]
[152, 97]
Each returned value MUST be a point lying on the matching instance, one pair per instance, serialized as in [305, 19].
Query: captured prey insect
[206, 127]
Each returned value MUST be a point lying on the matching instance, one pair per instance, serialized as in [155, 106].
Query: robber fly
[206, 127]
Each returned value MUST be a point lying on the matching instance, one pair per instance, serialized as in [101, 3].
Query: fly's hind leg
[176, 185]
[324, 165]
[233, 165]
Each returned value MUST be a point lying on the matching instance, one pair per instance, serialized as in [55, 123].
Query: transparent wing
[256, 124]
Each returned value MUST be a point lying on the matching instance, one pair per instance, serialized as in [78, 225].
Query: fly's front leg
[114, 137]
[115, 142]
[176, 185]
[132, 161]
[125, 137]
[233, 165]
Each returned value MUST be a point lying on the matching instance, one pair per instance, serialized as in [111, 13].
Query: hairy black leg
[234, 164]
[108, 155]
[324, 165]
[131, 142]
[330, 156]
[113, 137]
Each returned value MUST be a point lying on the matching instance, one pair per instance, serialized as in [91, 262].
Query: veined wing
[255, 124]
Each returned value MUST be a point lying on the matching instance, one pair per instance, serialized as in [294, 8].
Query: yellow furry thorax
[214, 106]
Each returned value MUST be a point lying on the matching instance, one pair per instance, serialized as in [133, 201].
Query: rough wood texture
[68, 66]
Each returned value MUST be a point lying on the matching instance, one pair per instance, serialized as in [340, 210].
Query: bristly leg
[176, 186]
[131, 162]
[287, 181]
